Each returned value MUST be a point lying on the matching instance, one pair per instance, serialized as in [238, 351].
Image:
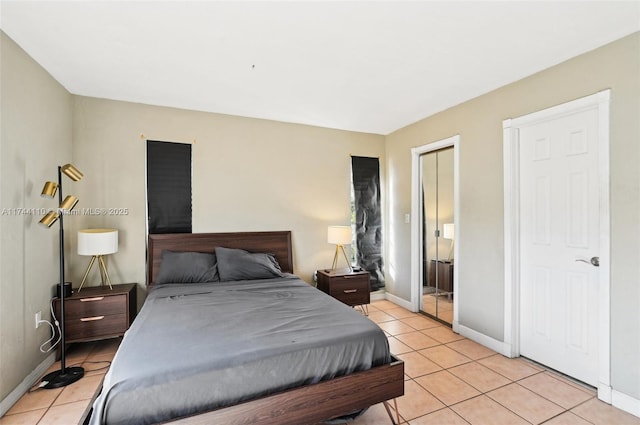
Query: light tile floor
[452, 380]
[449, 380]
[65, 406]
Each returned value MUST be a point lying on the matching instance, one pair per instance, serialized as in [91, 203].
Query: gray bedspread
[198, 347]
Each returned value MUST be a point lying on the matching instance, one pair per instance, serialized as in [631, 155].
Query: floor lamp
[66, 375]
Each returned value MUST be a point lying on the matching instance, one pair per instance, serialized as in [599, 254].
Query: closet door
[437, 176]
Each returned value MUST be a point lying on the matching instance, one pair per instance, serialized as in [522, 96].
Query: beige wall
[35, 122]
[479, 235]
[248, 174]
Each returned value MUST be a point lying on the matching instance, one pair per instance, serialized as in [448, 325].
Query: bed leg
[395, 421]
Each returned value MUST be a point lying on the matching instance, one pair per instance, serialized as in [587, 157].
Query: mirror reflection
[438, 233]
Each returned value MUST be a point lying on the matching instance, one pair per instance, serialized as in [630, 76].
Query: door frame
[599, 101]
[416, 221]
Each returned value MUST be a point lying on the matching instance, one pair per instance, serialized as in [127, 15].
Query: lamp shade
[449, 231]
[97, 241]
[49, 190]
[69, 203]
[339, 235]
[72, 172]
[49, 219]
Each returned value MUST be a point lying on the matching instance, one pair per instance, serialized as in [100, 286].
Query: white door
[559, 244]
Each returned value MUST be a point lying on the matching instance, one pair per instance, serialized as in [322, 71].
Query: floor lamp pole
[65, 375]
[63, 362]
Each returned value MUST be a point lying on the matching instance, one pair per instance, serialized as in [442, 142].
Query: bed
[266, 350]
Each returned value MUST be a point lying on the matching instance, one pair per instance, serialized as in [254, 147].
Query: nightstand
[445, 275]
[98, 312]
[352, 288]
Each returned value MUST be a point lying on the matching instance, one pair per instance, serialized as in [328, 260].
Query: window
[168, 187]
[367, 217]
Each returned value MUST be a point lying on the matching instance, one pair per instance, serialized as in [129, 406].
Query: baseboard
[625, 402]
[604, 393]
[26, 384]
[497, 346]
[378, 295]
[397, 300]
[476, 336]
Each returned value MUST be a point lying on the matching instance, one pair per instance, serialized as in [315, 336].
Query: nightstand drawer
[95, 326]
[349, 285]
[96, 306]
[351, 296]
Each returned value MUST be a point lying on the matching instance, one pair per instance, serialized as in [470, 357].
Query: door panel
[577, 312]
[540, 305]
[559, 219]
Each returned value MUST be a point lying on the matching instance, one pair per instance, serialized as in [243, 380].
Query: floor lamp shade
[97, 243]
[72, 172]
[49, 190]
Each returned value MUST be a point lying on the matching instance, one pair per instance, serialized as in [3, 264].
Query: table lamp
[97, 243]
[339, 236]
[449, 233]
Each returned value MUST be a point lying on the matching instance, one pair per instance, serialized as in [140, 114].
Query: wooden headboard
[276, 243]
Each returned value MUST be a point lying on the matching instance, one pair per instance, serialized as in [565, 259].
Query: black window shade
[169, 187]
[368, 217]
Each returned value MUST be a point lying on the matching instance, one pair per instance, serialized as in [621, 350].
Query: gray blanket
[197, 347]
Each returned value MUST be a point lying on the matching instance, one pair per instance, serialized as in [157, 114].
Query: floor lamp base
[58, 379]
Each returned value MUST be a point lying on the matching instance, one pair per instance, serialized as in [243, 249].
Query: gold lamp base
[103, 271]
[335, 258]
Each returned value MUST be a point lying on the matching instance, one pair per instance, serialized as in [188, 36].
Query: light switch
[407, 218]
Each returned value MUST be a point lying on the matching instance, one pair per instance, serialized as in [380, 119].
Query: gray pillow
[187, 267]
[238, 264]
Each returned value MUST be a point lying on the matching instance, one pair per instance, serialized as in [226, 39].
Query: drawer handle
[351, 277]
[350, 291]
[91, 299]
[91, 319]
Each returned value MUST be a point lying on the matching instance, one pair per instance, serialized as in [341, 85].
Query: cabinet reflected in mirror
[438, 233]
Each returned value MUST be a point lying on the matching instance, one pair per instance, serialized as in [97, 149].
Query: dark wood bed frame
[308, 404]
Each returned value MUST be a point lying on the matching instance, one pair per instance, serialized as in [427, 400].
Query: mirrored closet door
[438, 233]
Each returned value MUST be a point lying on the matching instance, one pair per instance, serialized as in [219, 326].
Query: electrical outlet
[38, 319]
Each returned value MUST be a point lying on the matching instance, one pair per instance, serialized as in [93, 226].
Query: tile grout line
[591, 396]
[538, 369]
[78, 362]
[579, 415]
[569, 411]
[485, 393]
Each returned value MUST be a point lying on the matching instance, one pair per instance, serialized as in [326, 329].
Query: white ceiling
[364, 66]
